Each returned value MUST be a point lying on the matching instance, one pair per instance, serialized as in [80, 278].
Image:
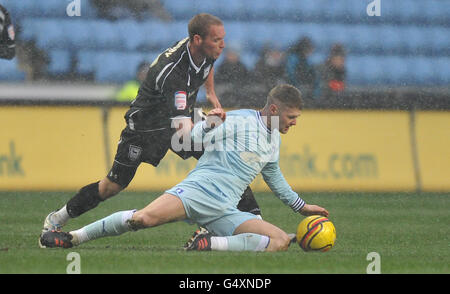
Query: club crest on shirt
[180, 100]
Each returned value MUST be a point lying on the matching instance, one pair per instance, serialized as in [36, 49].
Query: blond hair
[286, 95]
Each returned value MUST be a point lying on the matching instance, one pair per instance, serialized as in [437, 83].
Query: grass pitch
[410, 232]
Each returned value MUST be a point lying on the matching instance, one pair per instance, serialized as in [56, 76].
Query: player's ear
[273, 108]
[197, 39]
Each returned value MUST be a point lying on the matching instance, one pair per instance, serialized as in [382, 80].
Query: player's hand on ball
[215, 117]
[309, 209]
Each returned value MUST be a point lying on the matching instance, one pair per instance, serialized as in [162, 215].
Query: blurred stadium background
[386, 129]
[403, 53]
[397, 65]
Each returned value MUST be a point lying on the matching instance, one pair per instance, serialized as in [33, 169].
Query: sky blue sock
[240, 242]
[112, 225]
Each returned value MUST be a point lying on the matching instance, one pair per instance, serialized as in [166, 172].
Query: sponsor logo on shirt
[180, 100]
[11, 32]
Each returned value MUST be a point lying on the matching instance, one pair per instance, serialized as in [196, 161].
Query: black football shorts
[136, 147]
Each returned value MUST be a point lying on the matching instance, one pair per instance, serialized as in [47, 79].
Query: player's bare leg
[279, 240]
[164, 209]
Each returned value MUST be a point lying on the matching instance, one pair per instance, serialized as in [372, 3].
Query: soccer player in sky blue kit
[236, 151]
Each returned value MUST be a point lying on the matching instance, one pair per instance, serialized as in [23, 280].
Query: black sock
[87, 198]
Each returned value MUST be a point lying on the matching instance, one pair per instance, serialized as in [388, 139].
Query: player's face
[213, 44]
[287, 118]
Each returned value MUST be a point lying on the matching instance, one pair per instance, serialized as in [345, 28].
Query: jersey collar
[261, 121]
[197, 68]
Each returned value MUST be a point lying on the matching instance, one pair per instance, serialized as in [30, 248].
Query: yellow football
[316, 233]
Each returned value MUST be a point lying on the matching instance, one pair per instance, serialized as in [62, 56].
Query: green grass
[409, 231]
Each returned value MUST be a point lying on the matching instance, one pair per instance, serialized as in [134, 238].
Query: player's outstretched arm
[210, 92]
[311, 209]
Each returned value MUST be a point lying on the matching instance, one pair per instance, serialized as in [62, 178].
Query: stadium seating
[342, 11]
[364, 70]
[395, 70]
[423, 71]
[111, 66]
[9, 71]
[86, 62]
[406, 44]
[60, 62]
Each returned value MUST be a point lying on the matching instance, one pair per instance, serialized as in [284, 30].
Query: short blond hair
[287, 95]
[200, 23]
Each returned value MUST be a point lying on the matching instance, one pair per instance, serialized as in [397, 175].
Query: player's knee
[138, 221]
[285, 242]
[142, 219]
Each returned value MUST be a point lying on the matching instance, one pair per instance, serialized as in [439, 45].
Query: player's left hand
[215, 117]
[311, 209]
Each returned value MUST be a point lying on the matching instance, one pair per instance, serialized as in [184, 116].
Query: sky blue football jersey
[235, 153]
